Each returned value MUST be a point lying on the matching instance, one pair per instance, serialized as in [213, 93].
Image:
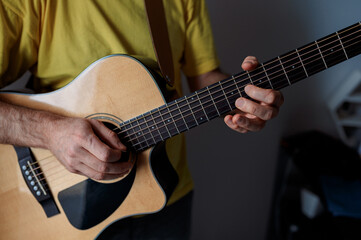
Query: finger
[249, 124]
[250, 63]
[107, 135]
[100, 150]
[232, 125]
[264, 112]
[91, 173]
[105, 167]
[268, 96]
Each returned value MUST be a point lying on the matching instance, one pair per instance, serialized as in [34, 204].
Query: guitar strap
[160, 37]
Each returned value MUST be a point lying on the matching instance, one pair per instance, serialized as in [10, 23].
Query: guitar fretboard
[217, 99]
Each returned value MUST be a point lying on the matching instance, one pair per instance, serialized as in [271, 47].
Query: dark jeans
[172, 222]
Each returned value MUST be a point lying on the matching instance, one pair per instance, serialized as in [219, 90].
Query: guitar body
[113, 89]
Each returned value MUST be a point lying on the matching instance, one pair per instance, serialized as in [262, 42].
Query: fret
[231, 90]
[339, 39]
[169, 121]
[198, 109]
[145, 130]
[323, 59]
[152, 127]
[186, 113]
[214, 104]
[331, 50]
[250, 77]
[279, 59]
[351, 40]
[219, 83]
[178, 117]
[298, 54]
[138, 134]
[207, 103]
[149, 134]
[259, 78]
[127, 133]
[243, 80]
[181, 113]
[219, 99]
[293, 67]
[160, 124]
[190, 108]
[266, 75]
[312, 59]
[156, 120]
[166, 119]
[235, 84]
[276, 74]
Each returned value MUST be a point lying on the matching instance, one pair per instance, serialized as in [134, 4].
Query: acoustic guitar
[41, 199]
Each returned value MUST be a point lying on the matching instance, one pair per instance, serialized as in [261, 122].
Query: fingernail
[239, 103]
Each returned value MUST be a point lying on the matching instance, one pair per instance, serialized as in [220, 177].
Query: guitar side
[114, 89]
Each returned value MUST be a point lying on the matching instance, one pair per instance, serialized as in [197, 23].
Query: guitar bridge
[36, 181]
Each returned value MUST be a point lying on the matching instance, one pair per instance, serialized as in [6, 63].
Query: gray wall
[234, 173]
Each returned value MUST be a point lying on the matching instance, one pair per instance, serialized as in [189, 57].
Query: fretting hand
[253, 115]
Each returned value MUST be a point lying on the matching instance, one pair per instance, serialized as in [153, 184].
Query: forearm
[206, 79]
[24, 127]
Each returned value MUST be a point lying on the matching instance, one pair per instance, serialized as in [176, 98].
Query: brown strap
[158, 28]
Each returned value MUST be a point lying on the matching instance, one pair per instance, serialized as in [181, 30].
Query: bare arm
[83, 146]
[250, 115]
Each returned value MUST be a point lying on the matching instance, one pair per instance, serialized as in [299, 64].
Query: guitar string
[63, 181]
[51, 176]
[54, 179]
[332, 35]
[259, 83]
[262, 72]
[43, 162]
[229, 80]
[166, 124]
[265, 65]
[133, 136]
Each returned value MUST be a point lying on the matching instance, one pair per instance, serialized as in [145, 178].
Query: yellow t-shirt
[56, 39]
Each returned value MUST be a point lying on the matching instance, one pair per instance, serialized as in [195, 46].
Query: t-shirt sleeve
[19, 41]
[200, 53]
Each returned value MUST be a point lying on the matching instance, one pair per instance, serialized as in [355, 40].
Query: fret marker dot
[331, 50]
[201, 118]
[293, 66]
[138, 133]
[168, 120]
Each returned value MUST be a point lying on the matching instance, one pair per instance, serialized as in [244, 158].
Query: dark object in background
[316, 153]
[304, 160]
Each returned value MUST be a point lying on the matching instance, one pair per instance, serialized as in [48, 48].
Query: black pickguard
[88, 203]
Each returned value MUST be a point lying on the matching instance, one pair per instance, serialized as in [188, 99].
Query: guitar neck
[217, 99]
